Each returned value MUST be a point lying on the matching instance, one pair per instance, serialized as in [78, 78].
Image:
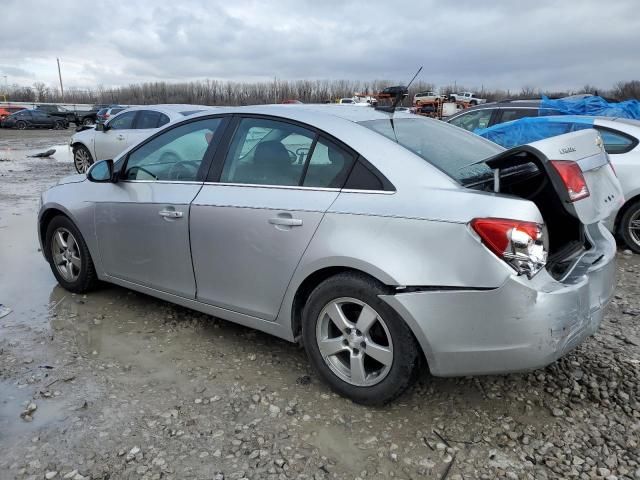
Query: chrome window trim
[161, 181]
[280, 187]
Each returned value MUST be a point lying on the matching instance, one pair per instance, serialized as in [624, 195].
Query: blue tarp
[532, 129]
[596, 106]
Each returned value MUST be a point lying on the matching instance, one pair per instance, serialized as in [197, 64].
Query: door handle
[289, 222]
[170, 214]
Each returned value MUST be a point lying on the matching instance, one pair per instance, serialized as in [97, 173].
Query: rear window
[450, 149]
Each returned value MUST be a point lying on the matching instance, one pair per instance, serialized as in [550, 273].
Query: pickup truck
[467, 97]
[79, 117]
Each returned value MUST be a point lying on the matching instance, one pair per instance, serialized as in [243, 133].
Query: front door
[143, 229]
[250, 229]
[114, 139]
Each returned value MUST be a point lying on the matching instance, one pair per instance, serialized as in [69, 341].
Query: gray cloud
[506, 44]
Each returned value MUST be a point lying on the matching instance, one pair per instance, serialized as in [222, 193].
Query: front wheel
[21, 125]
[356, 342]
[87, 122]
[69, 256]
[82, 159]
[59, 125]
[629, 227]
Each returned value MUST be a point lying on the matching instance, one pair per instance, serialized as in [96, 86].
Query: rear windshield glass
[452, 150]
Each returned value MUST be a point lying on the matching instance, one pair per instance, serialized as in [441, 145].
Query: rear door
[146, 122]
[251, 223]
[143, 225]
[113, 141]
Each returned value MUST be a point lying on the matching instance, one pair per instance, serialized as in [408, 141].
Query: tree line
[218, 92]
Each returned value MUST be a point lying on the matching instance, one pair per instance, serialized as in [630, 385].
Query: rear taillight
[520, 244]
[572, 177]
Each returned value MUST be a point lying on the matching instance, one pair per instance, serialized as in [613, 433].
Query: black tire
[21, 125]
[82, 159]
[629, 236]
[473, 102]
[86, 279]
[87, 121]
[59, 125]
[406, 354]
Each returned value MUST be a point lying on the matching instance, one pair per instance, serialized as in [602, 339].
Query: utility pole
[60, 76]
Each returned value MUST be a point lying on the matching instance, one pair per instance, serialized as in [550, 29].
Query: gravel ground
[118, 385]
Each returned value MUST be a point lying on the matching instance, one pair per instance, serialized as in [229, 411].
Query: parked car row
[384, 247]
[23, 119]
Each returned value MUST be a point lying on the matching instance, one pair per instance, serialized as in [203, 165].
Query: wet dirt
[115, 371]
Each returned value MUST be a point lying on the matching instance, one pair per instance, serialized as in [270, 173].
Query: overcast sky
[499, 44]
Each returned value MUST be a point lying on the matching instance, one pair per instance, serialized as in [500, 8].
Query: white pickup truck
[466, 97]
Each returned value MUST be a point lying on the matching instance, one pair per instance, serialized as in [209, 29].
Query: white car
[127, 128]
[467, 97]
[425, 97]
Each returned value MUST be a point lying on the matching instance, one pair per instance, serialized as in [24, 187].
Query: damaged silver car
[387, 245]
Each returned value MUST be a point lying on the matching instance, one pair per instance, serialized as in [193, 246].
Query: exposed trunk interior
[524, 175]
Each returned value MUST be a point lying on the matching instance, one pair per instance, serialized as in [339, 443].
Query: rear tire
[82, 159]
[629, 226]
[376, 357]
[69, 256]
[21, 125]
[87, 122]
[59, 125]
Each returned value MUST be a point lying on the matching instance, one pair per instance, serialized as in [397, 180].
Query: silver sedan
[386, 245]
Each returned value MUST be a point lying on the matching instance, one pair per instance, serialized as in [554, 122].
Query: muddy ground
[118, 385]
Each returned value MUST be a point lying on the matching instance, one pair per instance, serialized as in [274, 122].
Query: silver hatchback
[385, 245]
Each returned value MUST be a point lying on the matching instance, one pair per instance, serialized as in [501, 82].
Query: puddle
[13, 399]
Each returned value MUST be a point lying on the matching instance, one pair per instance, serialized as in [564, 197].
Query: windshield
[448, 148]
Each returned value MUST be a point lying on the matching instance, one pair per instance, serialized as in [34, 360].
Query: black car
[33, 119]
[490, 114]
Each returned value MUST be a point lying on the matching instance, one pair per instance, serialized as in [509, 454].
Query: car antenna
[403, 92]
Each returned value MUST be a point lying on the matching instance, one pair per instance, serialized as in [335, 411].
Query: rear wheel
[356, 342]
[82, 159]
[87, 121]
[69, 256]
[21, 125]
[59, 125]
[629, 227]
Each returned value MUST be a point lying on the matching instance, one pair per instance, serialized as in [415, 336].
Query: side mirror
[101, 172]
[101, 127]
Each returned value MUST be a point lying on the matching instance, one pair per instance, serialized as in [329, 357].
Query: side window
[329, 165]
[267, 152]
[122, 122]
[163, 120]
[24, 114]
[472, 120]
[615, 142]
[509, 114]
[147, 119]
[174, 155]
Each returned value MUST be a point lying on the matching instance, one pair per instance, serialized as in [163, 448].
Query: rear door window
[147, 119]
[267, 152]
[329, 165]
[509, 114]
[473, 119]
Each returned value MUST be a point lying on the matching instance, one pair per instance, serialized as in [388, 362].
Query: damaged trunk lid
[577, 167]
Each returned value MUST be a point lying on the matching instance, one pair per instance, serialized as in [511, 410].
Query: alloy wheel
[634, 227]
[66, 254]
[82, 160]
[354, 341]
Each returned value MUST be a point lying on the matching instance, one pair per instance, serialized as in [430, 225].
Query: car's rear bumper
[524, 324]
